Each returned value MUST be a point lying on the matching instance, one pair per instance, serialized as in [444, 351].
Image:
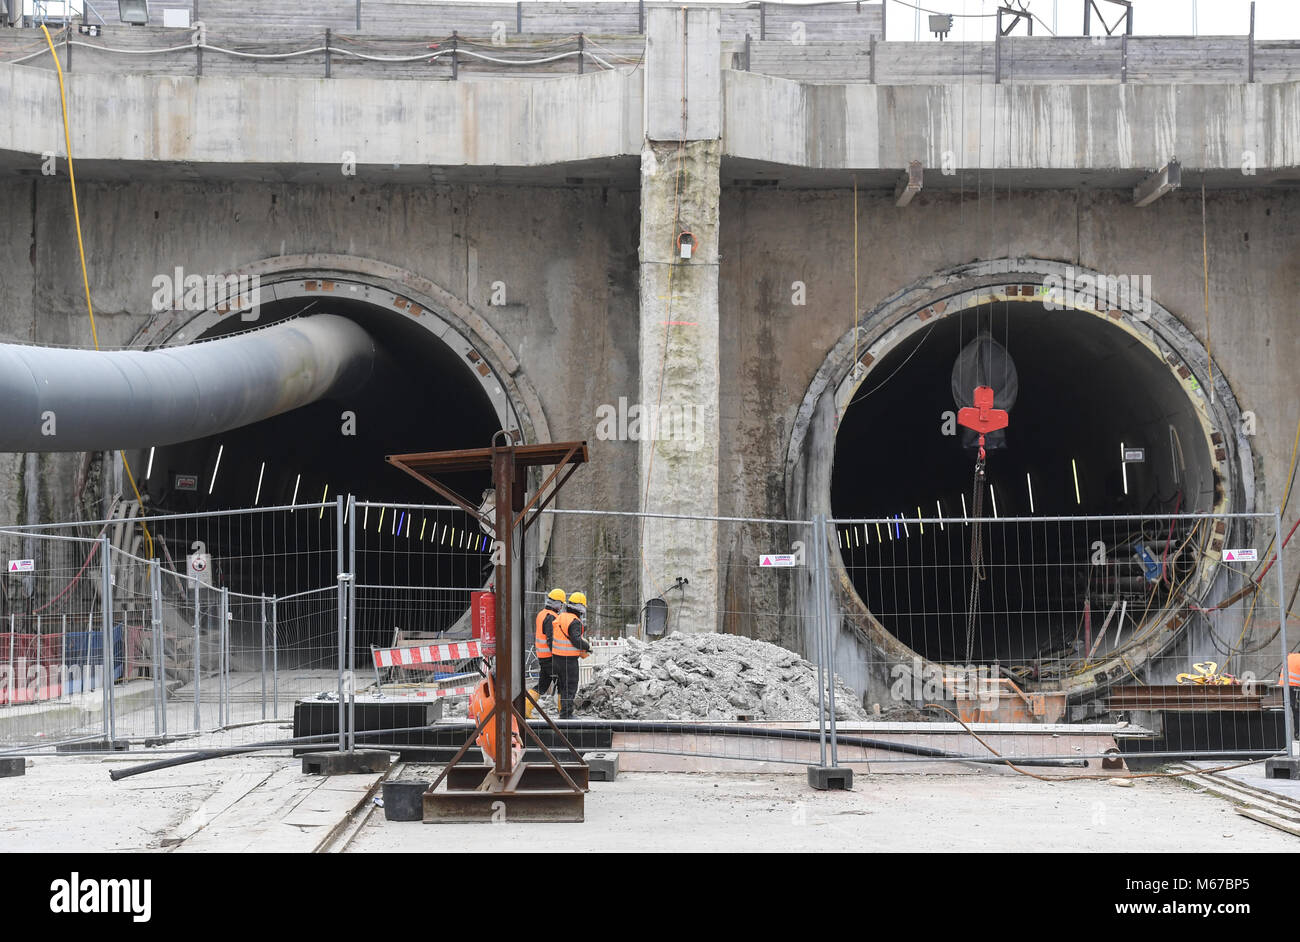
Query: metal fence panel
[1062, 639]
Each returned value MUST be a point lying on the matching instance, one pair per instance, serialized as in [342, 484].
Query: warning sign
[187, 482]
[1240, 556]
[776, 560]
[22, 565]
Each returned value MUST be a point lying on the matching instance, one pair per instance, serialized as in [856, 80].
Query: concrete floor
[265, 802]
[992, 811]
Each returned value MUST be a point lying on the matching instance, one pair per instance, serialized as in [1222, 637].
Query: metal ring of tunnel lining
[385, 287]
[943, 294]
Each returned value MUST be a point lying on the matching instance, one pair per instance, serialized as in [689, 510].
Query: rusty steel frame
[510, 520]
[1195, 698]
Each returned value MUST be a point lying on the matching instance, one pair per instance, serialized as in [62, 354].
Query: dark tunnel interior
[1085, 387]
[422, 397]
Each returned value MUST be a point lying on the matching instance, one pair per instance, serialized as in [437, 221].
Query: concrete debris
[709, 677]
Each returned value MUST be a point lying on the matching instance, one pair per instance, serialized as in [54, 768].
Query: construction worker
[1290, 681]
[555, 600]
[567, 646]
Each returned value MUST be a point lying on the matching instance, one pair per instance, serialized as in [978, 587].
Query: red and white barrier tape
[427, 654]
[430, 694]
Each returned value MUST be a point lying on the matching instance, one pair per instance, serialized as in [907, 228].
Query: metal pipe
[144, 398]
[629, 726]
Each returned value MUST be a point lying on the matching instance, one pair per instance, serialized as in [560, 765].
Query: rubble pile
[709, 677]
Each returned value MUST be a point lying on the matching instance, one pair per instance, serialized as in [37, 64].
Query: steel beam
[909, 184]
[1169, 177]
[558, 805]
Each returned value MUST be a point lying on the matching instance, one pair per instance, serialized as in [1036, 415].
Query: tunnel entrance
[1089, 387]
[430, 390]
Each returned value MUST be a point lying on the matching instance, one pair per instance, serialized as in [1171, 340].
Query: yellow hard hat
[577, 598]
[556, 595]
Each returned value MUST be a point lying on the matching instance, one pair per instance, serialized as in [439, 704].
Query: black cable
[630, 726]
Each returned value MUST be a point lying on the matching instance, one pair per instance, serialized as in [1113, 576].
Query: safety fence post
[263, 650]
[827, 648]
[342, 619]
[275, 664]
[819, 619]
[198, 719]
[106, 571]
[159, 647]
[13, 628]
[351, 517]
[1288, 721]
[223, 639]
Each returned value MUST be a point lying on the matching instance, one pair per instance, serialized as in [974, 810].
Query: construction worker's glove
[584, 655]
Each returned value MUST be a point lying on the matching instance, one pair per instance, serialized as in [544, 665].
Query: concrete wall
[1023, 127]
[773, 238]
[567, 257]
[260, 120]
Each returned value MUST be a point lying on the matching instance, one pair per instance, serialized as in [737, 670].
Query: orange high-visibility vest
[561, 646]
[1292, 668]
[539, 636]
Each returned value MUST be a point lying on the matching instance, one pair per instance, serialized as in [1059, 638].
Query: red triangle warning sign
[13, 567]
[1229, 556]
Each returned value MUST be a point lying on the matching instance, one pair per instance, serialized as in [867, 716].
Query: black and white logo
[78, 895]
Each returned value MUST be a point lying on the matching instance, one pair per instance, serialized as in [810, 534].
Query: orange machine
[481, 702]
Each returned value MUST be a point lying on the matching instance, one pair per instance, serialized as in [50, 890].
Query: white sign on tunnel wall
[22, 565]
[777, 560]
[1240, 556]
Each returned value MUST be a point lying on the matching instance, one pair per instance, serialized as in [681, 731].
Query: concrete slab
[672, 813]
[1256, 776]
[287, 812]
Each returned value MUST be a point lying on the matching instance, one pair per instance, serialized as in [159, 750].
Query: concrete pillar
[680, 186]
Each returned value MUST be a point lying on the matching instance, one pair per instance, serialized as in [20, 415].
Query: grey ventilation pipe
[55, 399]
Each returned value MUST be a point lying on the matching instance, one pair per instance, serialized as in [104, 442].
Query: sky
[975, 19]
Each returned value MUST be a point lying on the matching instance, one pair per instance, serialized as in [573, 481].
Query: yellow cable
[81, 251]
